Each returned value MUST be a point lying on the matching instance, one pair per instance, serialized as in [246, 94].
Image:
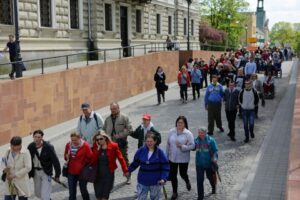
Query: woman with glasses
[105, 154]
[180, 143]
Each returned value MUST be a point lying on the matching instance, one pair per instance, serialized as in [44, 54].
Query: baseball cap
[85, 106]
[147, 116]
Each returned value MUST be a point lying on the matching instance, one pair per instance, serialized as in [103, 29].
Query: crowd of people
[92, 151]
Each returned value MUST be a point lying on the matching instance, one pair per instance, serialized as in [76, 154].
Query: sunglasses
[99, 139]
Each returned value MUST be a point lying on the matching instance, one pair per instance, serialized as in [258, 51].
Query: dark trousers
[214, 114]
[124, 152]
[72, 183]
[231, 115]
[204, 78]
[159, 94]
[248, 119]
[13, 67]
[200, 180]
[196, 88]
[183, 168]
[183, 91]
[14, 197]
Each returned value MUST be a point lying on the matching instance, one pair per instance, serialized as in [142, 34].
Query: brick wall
[42, 101]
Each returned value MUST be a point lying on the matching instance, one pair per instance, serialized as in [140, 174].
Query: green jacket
[139, 134]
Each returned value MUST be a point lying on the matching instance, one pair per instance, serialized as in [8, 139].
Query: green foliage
[286, 33]
[226, 15]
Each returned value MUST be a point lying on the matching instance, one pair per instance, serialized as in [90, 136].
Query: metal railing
[102, 55]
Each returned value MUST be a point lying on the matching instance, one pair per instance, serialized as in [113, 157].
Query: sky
[279, 10]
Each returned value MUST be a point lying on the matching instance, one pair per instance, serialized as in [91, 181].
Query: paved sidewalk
[235, 157]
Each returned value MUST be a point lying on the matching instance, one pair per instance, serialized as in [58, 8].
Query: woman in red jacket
[105, 154]
[184, 81]
[77, 154]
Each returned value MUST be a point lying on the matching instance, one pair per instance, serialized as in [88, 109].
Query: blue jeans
[248, 119]
[9, 197]
[72, 182]
[200, 180]
[143, 191]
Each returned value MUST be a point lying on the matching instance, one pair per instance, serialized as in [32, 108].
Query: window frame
[140, 22]
[11, 8]
[158, 23]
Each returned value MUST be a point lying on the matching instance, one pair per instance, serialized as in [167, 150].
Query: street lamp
[18, 66]
[246, 39]
[189, 2]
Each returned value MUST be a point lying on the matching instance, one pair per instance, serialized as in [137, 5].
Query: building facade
[53, 27]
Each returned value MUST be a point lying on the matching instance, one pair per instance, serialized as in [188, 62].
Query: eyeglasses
[99, 139]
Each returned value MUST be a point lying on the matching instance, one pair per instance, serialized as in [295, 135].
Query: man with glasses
[118, 127]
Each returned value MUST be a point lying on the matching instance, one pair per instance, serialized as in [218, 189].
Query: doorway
[124, 30]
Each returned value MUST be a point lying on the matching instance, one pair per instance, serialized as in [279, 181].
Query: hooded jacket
[140, 135]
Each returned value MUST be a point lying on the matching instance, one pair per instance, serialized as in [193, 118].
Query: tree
[226, 15]
[282, 33]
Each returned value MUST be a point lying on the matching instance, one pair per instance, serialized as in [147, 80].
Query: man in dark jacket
[231, 99]
[141, 131]
[248, 99]
[44, 159]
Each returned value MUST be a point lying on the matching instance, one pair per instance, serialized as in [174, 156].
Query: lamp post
[18, 66]
[246, 39]
[189, 2]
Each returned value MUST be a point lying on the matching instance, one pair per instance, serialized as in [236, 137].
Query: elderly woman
[77, 154]
[184, 81]
[180, 143]
[154, 168]
[105, 154]
[17, 163]
[206, 156]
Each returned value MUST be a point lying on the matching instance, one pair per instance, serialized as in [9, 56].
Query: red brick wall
[42, 101]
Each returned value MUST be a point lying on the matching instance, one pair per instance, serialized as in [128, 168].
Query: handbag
[64, 170]
[3, 176]
[88, 173]
[165, 87]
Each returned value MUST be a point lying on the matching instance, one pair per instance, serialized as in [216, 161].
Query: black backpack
[95, 117]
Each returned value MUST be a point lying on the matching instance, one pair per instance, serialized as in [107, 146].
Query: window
[45, 13]
[170, 25]
[74, 14]
[138, 21]
[6, 13]
[192, 27]
[158, 23]
[184, 26]
[108, 17]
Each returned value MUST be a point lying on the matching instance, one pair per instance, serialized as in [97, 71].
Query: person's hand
[11, 177]
[127, 174]
[161, 182]
[6, 169]
[178, 144]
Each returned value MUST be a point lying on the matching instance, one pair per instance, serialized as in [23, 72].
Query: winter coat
[206, 151]
[139, 134]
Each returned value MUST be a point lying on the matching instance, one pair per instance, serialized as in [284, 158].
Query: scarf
[160, 74]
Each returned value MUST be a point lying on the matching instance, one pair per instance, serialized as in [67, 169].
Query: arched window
[6, 12]
[45, 13]
[74, 14]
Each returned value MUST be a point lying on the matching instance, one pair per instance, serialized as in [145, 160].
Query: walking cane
[59, 182]
[165, 192]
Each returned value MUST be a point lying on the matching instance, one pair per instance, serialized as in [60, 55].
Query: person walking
[183, 82]
[250, 68]
[154, 168]
[118, 127]
[89, 123]
[206, 156]
[105, 154]
[44, 159]
[213, 103]
[169, 43]
[258, 86]
[248, 99]
[160, 85]
[231, 100]
[11, 46]
[17, 163]
[179, 144]
[141, 131]
[77, 154]
[196, 77]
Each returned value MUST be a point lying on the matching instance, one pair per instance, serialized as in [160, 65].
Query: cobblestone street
[235, 158]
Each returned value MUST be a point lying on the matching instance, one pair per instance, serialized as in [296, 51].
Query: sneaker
[128, 181]
[246, 140]
[174, 196]
[213, 190]
[252, 135]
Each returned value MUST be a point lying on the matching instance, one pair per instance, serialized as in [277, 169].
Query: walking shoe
[246, 140]
[252, 135]
[11, 76]
[213, 190]
[210, 133]
[128, 181]
[174, 196]
[188, 186]
[221, 129]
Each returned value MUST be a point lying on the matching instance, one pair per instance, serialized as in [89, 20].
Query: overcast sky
[279, 10]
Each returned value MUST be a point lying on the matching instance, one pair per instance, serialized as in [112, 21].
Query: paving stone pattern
[235, 158]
